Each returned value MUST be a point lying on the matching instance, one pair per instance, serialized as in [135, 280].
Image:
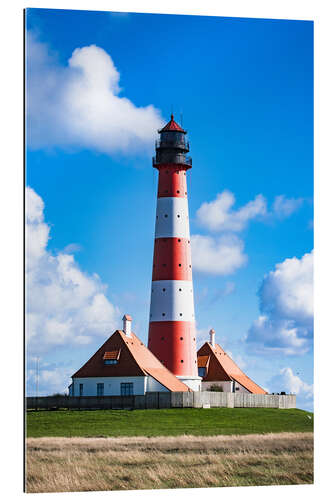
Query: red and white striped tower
[172, 322]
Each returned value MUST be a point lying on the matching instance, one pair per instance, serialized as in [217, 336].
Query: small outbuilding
[123, 366]
[220, 372]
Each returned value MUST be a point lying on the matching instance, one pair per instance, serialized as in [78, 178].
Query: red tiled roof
[111, 354]
[222, 367]
[135, 359]
[172, 125]
[202, 361]
[127, 317]
[152, 366]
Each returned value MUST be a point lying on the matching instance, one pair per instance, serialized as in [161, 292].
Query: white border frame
[11, 210]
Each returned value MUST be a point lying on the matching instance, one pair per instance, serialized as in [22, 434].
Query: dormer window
[111, 357]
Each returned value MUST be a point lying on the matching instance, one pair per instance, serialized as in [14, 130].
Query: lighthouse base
[193, 383]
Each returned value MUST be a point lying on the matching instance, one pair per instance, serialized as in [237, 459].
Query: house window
[100, 389]
[126, 388]
[81, 389]
[202, 371]
[110, 361]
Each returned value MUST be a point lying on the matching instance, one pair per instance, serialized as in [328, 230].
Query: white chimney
[127, 325]
[212, 337]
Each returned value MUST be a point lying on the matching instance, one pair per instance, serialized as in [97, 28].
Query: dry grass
[124, 463]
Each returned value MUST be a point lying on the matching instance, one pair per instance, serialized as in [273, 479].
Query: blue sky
[244, 88]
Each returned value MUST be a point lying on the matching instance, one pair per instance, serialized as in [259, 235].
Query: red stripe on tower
[172, 322]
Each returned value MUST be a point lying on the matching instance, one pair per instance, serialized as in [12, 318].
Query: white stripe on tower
[172, 318]
[172, 218]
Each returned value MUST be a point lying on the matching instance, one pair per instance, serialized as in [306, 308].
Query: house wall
[240, 388]
[141, 385]
[226, 386]
[111, 385]
[154, 386]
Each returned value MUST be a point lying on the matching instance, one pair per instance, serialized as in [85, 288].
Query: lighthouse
[172, 336]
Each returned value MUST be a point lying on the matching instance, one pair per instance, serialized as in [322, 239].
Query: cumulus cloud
[220, 256]
[286, 305]
[284, 207]
[64, 305]
[288, 382]
[78, 105]
[218, 214]
[52, 378]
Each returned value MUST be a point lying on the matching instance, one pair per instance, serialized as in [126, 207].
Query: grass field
[170, 422]
[92, 464]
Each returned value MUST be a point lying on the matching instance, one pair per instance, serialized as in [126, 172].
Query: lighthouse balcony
[177, 160]
[162, 144]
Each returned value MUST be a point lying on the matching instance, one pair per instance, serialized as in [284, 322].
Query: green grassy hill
[170, 422]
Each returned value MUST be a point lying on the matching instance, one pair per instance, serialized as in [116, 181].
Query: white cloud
[286, 305]
[78, 105]
[221, 256]
[64, 305]
[284, 207]
[218, 215]
[52, 378]
[288, 382]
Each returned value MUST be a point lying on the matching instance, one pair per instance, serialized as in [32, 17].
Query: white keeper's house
[123, 366]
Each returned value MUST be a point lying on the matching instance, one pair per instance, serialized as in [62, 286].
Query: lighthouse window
[180, 289]
[178, 191]
[190, 265]
[182, 361]
[178, 240]
[163, 289]
[164, 265]
[163, 314]
[162, 338]
[179, 265]
[178, 216]
[181, 338]
[156, 216]
[180, 314]
[165, 215]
